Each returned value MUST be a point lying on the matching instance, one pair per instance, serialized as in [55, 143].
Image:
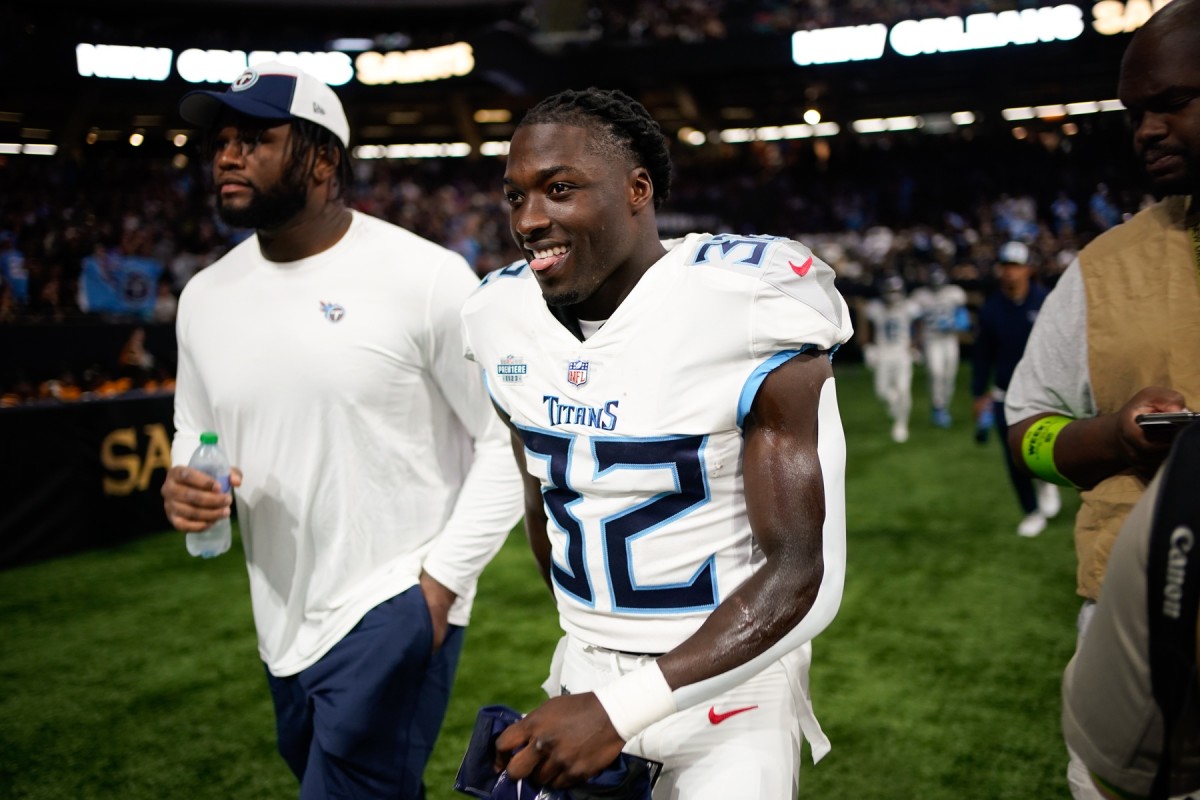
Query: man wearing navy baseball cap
[1004, 323]
[373, 479]
[272, 91]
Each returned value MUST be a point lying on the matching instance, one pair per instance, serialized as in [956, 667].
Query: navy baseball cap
[271, 91]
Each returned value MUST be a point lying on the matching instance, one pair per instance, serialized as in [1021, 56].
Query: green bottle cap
[208, 438]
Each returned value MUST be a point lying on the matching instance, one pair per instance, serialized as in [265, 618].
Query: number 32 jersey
[636, 433]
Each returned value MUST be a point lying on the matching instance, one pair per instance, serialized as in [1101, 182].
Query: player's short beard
[271, 209]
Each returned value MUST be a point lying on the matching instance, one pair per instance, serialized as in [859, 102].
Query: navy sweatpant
[362, 721]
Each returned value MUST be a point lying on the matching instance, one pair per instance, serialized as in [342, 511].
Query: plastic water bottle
[209, 459]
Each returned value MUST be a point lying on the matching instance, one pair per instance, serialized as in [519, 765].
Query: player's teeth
[553, 251]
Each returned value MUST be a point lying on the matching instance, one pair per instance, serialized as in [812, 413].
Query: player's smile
[546, 257]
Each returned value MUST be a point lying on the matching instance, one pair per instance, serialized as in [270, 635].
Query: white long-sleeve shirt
[368, 445]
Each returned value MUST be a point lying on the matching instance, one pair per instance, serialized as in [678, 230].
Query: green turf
[132, 672]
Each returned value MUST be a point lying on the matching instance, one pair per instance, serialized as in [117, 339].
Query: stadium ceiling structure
[744, 81]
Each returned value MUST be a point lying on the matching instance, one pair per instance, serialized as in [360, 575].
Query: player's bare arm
[193, 500]
[785, 501]
[1089, 450]
[569, 739]
[535, 509]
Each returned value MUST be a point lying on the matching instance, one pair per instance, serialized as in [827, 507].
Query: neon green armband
[1037, 448]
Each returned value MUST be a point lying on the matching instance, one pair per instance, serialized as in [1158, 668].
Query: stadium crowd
[871, 207]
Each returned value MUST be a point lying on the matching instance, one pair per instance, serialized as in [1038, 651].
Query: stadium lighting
[223, 66]
[1013, 114]
[498, 115]
[904, 123]
[493, 149]
[1050, 112]
[737, 135]
[119, 61]
[1057, 110]
[872, 125]
[812, 116]
[692, 136]
[880, 124]
[963, 118]
[180, 139]
[353, 44]
[415, 66]
[984, 30]
[774, 133]
[420, 150]
[136, 138]
[16, 148]
[836, 45]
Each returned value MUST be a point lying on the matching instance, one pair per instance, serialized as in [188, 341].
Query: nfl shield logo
[577, 372]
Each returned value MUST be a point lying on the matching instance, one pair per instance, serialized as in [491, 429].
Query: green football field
[132, 672]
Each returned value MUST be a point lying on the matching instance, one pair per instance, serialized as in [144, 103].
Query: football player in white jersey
[676, 415]
[890, 356]
[943, 315]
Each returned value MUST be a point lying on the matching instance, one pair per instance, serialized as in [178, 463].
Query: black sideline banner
[82, 475]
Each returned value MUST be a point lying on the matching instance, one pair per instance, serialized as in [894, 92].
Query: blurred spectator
[13, 273]
[135, 361]
[165, 302]
[1103, 210]
[1064, 211]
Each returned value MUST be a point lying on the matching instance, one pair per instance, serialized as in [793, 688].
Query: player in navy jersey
[684, 462]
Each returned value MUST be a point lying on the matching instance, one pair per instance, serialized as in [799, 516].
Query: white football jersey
[891, 323]
[940, 307]
[636, 433]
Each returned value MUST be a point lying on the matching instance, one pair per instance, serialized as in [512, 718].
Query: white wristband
[637, 700]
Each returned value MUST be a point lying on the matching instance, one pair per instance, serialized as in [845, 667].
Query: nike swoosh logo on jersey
[801, 269]
[717, 719]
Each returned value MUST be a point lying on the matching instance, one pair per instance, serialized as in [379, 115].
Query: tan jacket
[1143, 329]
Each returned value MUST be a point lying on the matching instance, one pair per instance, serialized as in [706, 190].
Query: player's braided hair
[627, 128]
[309, 139]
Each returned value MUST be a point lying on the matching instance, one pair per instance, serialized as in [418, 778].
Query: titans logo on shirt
[332, 311]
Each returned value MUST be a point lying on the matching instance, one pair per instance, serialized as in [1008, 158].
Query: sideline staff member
[374, 483]
[1120, 334]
